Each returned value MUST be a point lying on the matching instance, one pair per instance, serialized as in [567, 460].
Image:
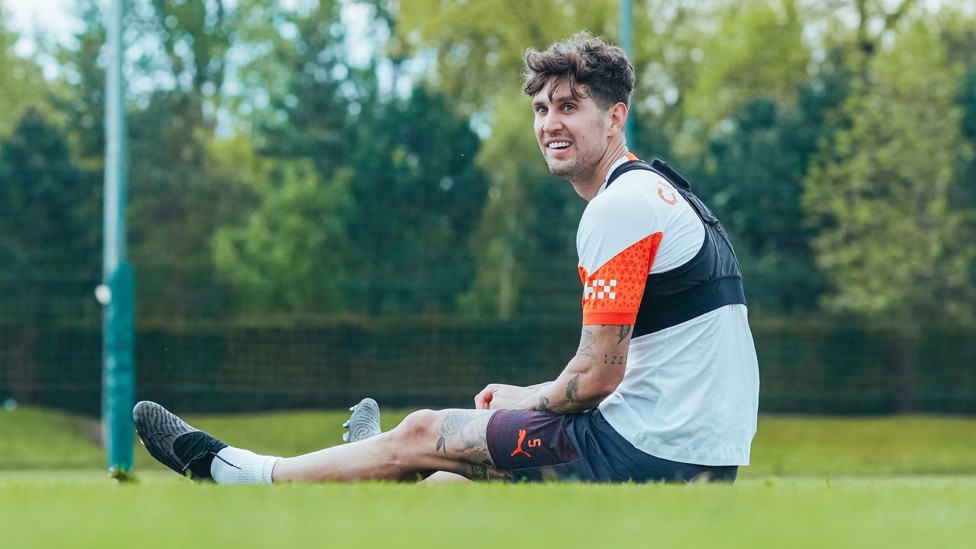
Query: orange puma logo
[518, 449]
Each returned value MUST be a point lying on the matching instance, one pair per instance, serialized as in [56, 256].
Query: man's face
[572, 133]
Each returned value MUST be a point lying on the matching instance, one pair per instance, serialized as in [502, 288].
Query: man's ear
[618, 117]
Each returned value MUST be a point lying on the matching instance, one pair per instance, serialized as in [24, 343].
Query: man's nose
[552, 122]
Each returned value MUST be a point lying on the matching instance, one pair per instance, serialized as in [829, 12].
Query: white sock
[239, 466]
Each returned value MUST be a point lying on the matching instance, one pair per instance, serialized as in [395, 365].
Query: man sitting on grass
[664, 385]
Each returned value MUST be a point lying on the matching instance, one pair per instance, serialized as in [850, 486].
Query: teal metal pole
[117, 293]
[627, 44]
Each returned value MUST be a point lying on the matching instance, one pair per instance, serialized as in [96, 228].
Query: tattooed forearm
[624, 332]
[615, 359]
[572, 389]
[543, 403]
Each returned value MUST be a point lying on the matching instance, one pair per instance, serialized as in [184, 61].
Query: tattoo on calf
[477, 471]
[466, 437]
[453, 429]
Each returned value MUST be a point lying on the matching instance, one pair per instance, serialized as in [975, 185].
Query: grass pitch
[814, 482]
[157, 512]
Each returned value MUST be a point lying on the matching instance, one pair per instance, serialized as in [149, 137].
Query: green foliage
[80, 92]
[271, 174]
[753, 181]
[21, 81]
[308, 114]
[891, 245]
[176, 204]
[418, 196]
[195, 36]
[755, 191]
[479, 45]
[280, 258]
[381, 223]
[757, 52]
[47, 205]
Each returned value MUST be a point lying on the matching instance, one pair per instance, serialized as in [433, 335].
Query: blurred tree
[754, 181]
[44, 192]
[418, 195]
[393, 196]
[757, 52]
[195, 36]
[177, 202]
[478, 46]
[46, 211]
[284, 250]
[178, 57]
[79, 93]
[314, 98]
[175, 205]
[755, 190]
[288, 255]
[21, 80]
[891, 244]
[958, 31]
[45, 228]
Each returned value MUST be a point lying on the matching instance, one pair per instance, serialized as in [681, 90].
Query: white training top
[691, 391]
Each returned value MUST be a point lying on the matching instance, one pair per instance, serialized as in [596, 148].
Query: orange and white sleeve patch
[612, 294]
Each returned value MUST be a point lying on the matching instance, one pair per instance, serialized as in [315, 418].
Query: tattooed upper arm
[587, 339]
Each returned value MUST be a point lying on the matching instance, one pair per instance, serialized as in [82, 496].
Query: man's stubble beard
[574, 171]
[569, 171]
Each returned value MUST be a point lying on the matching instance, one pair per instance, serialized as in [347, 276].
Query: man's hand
[497, 396]
[590, 376]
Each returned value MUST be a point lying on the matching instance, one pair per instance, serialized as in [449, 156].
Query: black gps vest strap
[712, 278]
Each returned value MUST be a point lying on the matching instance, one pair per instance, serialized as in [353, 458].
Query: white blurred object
[103, 294]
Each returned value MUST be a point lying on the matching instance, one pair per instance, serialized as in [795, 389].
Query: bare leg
[443, 476]
[446, 440]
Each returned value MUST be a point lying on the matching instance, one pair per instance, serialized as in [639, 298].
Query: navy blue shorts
[540, 446]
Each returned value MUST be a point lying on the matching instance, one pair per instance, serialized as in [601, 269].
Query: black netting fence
[51, 355]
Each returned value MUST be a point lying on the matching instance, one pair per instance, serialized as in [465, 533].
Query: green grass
[86, 512]
[896, 445]
[815, 482]
[785, 446]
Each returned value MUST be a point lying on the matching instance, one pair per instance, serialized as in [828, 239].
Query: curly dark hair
[585, 61]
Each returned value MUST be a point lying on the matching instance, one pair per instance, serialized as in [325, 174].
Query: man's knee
[419, 425]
